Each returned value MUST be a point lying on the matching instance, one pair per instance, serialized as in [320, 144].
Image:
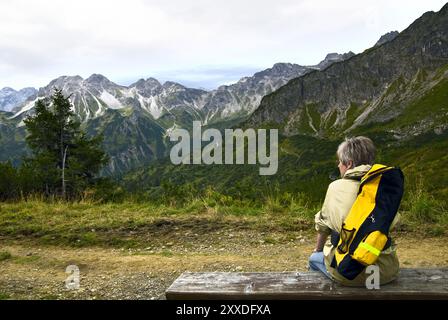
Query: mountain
[392, 85]
[171, 101]
[387, 37]
[332, 58]
[10, 98]
[134, 119]
[245, 95]
[12, 139]
[158, 99]
[90, 97]
[395, 93]
[395, 90]
[132, 138]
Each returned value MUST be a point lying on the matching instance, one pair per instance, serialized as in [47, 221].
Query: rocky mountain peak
[282, 66]
[333, 57]
[148, 84]
[7, 90]
[147, 88]
[10, 98]
[63, 81]
[98, 79]
[28, 91]
[386, 38]
[170, 85]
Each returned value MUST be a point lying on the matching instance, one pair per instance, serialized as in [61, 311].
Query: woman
[356, 156]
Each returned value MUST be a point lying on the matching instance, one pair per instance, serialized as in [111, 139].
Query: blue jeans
[317, 263]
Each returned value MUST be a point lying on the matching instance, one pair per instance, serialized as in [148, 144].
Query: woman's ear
[350, 165]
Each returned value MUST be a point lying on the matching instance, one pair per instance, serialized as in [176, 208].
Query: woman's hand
[320, 241]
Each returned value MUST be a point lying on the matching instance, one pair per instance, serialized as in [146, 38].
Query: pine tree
[9, 187]
[64, 158]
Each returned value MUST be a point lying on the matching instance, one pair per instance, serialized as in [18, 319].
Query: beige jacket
[341, 195]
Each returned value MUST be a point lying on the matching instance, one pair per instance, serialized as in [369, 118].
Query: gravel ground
[38, 272]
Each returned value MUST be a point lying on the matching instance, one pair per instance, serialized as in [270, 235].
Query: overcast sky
[200, 43]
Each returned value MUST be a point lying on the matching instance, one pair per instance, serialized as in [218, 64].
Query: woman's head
[354, 152]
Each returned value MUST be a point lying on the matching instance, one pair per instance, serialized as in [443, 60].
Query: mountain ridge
[321, 99]
[224, 101]
[395, 93]
[134, 119]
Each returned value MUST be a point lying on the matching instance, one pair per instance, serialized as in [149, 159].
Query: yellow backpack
[365, 231]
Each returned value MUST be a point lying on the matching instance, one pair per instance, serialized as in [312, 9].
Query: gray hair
[360, 150]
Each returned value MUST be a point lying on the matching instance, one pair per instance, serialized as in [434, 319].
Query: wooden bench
[411, 284]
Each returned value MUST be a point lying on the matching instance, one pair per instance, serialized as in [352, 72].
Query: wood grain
[411, 284]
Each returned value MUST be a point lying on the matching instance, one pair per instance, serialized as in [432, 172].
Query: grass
[167, 253]
[132, 224]
[303, 125]
[5, 255]
[129, 224]
[4, 296]
[423, 212]
[239, 198]
[351, 114]
[287, 202]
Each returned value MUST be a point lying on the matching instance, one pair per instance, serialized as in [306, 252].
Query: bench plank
[411, 284]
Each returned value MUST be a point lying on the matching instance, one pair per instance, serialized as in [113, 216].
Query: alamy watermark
[373, 280]
[72, 281]
[189, 150]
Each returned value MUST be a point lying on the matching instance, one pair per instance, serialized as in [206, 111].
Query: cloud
[43, 39]
[207, 77]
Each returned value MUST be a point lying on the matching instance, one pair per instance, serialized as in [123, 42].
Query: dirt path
[38, 272]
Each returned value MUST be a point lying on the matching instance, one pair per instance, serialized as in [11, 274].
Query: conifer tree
[64, 158]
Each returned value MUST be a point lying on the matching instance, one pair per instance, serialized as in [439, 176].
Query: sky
[200, 43]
